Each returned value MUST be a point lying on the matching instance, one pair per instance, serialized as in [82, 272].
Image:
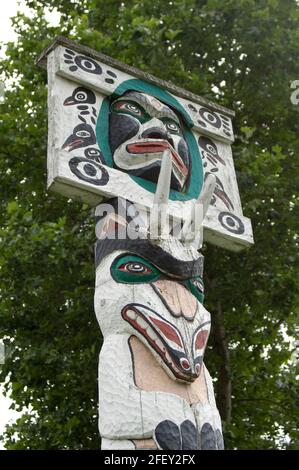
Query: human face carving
[141, 128]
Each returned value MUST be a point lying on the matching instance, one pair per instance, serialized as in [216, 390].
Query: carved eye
[173, 127]
[198, 285]
[83, 134]
[135, 268]
[210, 117]
[129, 107]
[134, 109]
[88, 65]
[81, 96]
[211, 149]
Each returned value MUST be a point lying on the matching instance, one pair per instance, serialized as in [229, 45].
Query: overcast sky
[9, 8]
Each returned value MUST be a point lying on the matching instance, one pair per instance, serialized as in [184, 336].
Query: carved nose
[178, 300]
[155, 133]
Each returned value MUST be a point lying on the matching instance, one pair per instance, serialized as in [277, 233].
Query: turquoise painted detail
[102, 133]
[132, 269]
[194, 290]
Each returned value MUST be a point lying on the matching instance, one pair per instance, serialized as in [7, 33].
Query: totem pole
[156, 162]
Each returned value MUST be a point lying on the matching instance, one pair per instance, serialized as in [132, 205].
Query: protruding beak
[71, 144]
[69, 101]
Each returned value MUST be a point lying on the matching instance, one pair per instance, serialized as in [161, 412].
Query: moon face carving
[141, 128]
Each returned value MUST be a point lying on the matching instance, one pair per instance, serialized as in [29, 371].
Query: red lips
[158, 147]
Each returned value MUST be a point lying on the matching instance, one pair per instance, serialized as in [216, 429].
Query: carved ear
[158, 215]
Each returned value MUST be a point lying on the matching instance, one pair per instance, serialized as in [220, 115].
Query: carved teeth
[151, 334]
[131, 314]
[141, 323]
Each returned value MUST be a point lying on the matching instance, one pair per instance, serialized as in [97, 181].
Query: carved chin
[163, 338]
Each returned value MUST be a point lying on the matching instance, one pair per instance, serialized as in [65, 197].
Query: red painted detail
[168, 331]
[157, 147]
[73, 144]
[123, 267]
[185, 364]
[201, 339]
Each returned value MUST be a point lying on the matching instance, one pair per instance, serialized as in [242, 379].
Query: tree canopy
[242, 54]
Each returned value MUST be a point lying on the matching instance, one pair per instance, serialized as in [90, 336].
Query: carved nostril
[155, 133]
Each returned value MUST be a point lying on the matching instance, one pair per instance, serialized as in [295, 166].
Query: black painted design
[220, 192]
[89, 171]
[210, 439]
[231, 222]
[109, 80]
[82, 62]
[94, 154]
[83, 135]
[190, 106]
[209, 150]
[219, 440]
[170, 436]
[211, 118]
[121, 128]
[167, 435]
[151, 252]
[112, 74]
[80, 96]
[214, 120]
[168, 263]
[183, 152]
[189, 436]
[207, 438]
[83, 98]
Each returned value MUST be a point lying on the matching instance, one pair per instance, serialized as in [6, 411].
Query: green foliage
[244, 54]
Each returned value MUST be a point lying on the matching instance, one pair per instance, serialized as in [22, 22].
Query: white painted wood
[128, 412]
[93, 81]
[99, 84]
[63, 120]
[65, 182]
[203, 118]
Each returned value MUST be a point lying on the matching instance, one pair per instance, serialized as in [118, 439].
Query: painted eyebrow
[141, 100]
[128, 99]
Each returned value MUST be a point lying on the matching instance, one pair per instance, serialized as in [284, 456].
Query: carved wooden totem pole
[156, 162]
